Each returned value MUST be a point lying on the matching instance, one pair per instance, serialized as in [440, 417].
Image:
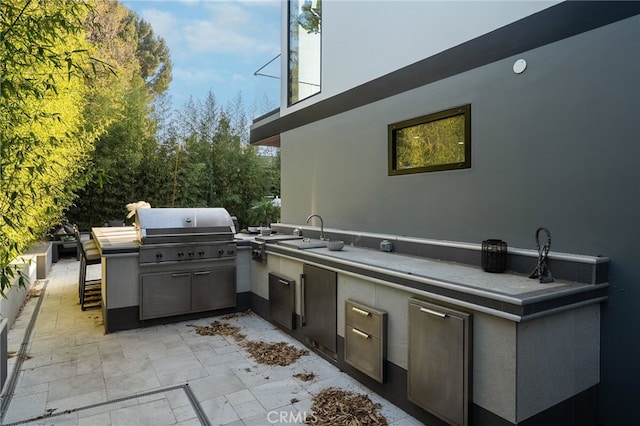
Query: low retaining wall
[15, 296]
[43, 256]
[11, 304]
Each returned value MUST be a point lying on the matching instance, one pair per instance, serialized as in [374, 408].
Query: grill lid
[178, 225]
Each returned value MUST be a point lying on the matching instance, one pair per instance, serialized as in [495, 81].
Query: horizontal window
[440, 141]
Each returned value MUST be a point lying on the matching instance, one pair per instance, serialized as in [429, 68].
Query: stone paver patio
[66, 371]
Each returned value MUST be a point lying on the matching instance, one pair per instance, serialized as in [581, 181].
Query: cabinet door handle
[434, 313]
[360, 311]
[360, 333]
[302, 299]
[202, 273]
[184, 274]
[283, 282]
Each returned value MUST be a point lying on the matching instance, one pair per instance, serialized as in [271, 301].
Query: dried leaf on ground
[280, 353]
[218, 328]
[33, 292]
[338, 407]
[305, 377]
[246, 313]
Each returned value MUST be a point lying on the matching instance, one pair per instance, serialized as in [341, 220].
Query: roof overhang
[547, 26]
[273, 141]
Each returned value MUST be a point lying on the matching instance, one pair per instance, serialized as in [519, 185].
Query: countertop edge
[510, 307]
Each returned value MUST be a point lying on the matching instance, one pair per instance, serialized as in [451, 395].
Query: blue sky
[217, 45]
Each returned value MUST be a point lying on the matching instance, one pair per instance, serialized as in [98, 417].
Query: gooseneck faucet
[321, 224]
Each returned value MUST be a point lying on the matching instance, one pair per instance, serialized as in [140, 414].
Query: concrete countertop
[509, 295]
[116, 240]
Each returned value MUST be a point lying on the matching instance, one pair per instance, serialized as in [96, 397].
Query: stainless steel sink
[305, 243]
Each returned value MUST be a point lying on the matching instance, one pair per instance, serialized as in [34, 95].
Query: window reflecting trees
[305, 24]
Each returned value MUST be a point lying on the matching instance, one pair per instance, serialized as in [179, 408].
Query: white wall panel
[363, 40]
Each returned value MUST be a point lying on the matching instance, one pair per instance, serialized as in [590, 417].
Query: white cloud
[163, 23]
[215, 45]
[197, 75]
[228, 28]
[217, 27]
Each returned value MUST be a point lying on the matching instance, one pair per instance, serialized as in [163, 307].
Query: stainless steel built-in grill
[187, 261]
[184, 225]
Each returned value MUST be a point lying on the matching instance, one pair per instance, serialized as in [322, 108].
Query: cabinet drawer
[364, 352]
[364, 318]
[365, 344]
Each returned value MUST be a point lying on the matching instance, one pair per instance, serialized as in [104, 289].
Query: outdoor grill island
[175, 263]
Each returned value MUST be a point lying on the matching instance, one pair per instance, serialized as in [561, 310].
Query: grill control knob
[158, 257]
[220, 252]
[180, 254]
[191, 254]
[201, 253]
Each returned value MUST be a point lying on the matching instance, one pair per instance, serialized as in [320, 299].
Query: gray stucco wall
[557, 146]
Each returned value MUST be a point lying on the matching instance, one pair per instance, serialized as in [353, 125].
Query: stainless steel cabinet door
[164, 294]
[213, 289]
[439, 360]
[319, 315]
[365, 334]
[282, 300]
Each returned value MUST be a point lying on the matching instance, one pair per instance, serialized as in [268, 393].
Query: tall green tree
[216, 167]
[125, 165]
[153, 55]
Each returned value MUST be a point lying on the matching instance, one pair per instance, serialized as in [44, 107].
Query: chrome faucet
[321, 224]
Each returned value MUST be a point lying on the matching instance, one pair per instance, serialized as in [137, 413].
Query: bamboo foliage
[44, 62]
[83, 128]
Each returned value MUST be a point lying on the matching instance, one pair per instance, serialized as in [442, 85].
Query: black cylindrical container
[494, 255]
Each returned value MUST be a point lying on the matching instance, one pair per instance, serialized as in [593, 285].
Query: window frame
[464, 110]
[299, 99]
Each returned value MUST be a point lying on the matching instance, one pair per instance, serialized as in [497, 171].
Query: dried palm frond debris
[218, 328]
[280, 353]
[246, 313]
[338, 407]
[305, 377]
[32, 293]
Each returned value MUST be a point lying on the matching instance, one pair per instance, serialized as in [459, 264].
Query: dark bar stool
[89, 292]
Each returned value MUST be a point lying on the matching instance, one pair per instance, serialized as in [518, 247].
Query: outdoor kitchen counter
[118, 247]
[123, 276]
[508, 295]
[534, 346]
[114, 240]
